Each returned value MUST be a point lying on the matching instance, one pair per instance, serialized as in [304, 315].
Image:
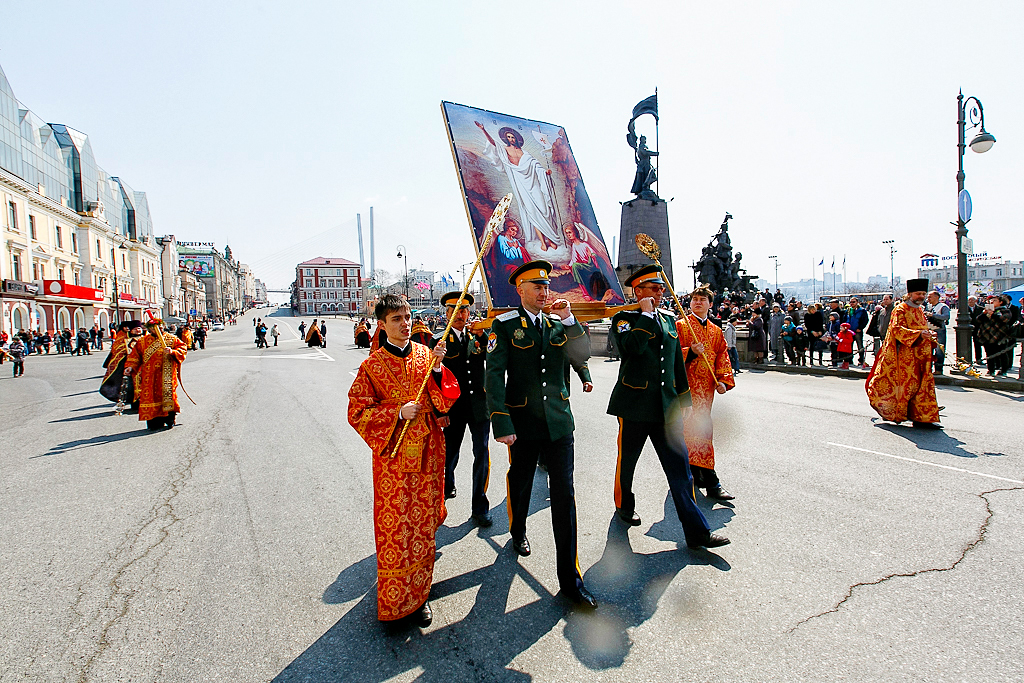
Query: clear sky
[823, 127]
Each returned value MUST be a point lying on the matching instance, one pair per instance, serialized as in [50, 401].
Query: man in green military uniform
[528, 404]
[465, 358]
[650, 394]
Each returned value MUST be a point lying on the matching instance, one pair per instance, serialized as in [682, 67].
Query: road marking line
[305, 356]
[925, 462]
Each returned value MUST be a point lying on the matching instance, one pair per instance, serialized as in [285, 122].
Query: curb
[942, 380]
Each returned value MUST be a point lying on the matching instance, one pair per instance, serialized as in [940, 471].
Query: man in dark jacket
[651, 392]
[464, 356]
[82, 342]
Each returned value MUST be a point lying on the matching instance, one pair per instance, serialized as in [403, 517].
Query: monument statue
[718, 269]
[646, 174]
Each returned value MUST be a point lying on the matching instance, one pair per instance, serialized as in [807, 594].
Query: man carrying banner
[465, 358]
[155, 365]
[528, 404]
[703, 338]
[901, 385]
[408, 486]
[650, 395]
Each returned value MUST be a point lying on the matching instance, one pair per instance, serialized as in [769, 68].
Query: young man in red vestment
[704, 338]
[408, 486]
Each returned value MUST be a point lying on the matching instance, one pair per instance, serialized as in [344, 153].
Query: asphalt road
[239, 546]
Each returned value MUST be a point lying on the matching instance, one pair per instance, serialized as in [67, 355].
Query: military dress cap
[450, 298]
[918, 284]
[651, 273]
[534, 271]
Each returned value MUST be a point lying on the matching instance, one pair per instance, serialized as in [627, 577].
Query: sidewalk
[1000, 383]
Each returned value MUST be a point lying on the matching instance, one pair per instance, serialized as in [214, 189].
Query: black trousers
[675, 461]
[453, 434]
[559, 456]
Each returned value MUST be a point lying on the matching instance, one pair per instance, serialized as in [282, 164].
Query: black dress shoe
[521, 546]
[712, 541]
[718, 493]
[423, 616]
[483, 520]
[927, 425]
[580, 597]
[630, 518]
[450, 492]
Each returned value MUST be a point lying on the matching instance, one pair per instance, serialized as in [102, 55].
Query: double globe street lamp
[982, 142]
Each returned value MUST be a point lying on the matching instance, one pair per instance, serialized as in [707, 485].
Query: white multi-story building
[328, 285]
[985, 274]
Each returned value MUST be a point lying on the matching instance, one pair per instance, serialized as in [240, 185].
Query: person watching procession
[154, 363]
[528, 405]
[814, 322]
[757, 342]
[857, 318]
[408, 487]
[465, 358]
[650, 398]
[729, 332]
[775, 324]
[701, 339]
[800, 342]
[901, 385]
[937, 314]
[995, 330]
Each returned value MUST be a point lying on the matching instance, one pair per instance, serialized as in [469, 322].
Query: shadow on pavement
[78, 418]
[628, 586]
[936, 441]
[670, 529]
[79, 444]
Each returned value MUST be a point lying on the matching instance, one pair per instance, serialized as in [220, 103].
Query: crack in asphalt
[135, 559]
[978, 540]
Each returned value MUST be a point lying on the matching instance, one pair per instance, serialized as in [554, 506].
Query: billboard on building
[198, 264]
[551, 217]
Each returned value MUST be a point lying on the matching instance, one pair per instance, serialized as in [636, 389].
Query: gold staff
[492, 226]
[650, 248]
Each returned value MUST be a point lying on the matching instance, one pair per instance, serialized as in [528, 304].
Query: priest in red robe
[408, 486]
[704, 338]
[155, 363]
[901, 385]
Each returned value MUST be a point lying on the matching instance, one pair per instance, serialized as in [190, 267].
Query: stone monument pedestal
[650, 217]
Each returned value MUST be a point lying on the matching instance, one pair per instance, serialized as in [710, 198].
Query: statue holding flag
[646, 173]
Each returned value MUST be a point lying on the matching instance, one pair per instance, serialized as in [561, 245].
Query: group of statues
[719, 269]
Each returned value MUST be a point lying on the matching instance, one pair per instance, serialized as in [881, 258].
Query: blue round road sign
[963, 204]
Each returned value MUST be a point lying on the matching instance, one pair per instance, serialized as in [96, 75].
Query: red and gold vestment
[697, 427]
[155, 373]
[901, 385]
[408, 489]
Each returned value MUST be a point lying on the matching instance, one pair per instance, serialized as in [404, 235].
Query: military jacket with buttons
[527, 392]
[465, 359]
[652, 375]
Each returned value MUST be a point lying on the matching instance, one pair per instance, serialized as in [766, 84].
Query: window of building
[309, 283]
[12, 215]
[77, 282]
[35, 270]
[60, 274]
[60, 238]
[971, 275]
[74, 241]
[99, 250]
[124, 261]
[32, 226]
[309, 271]
[999, 272]
[16, 266]
[984, 272]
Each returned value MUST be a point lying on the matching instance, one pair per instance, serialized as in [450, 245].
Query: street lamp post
[403, 253]
[892, 270]
[776, 259]
[117, 287]
[982, 142]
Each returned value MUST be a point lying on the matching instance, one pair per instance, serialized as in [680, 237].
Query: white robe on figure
[536, 207]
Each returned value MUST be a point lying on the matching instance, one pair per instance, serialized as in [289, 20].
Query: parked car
[218, 327]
